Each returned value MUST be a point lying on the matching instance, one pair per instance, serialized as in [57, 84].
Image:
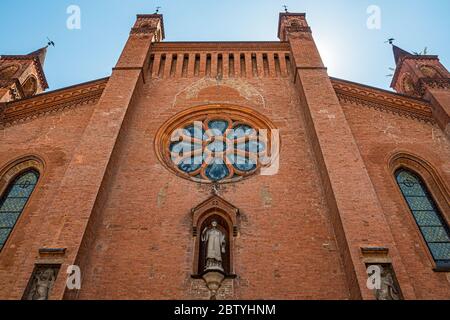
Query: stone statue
[388, 289]
[215, 246]
[42, 284]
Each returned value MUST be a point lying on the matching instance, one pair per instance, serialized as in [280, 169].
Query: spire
[399, 53]
[40, 53]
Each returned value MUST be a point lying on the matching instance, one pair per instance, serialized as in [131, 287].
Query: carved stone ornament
[213, 281]
[41, 282]
[388, 286]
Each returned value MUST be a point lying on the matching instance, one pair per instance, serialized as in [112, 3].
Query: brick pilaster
[357, 215]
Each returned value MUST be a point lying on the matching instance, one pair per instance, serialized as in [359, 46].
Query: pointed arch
[427, 199]
[17, 183]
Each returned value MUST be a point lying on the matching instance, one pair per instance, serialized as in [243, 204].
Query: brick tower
[423, 76]
[22, 76]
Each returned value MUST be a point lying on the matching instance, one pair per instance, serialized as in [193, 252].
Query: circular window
[216, 144]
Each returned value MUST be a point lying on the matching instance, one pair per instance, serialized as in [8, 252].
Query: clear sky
[348, 47]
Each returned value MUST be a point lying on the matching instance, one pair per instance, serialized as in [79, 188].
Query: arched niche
[226, 215]
[30, 86]
[429, 71]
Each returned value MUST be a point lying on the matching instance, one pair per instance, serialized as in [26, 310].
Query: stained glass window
[13, 201]
[218, 149]
[427, 215]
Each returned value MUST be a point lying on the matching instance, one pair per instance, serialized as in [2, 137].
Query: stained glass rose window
[217, 146]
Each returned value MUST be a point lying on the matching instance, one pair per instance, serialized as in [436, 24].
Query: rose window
[222, 147]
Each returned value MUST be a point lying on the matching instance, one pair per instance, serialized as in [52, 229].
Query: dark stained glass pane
[13, 202]
[251, 146]
[181, 147]
[21, 190]
[242, 163]
[432, 225]
[241, 130]
[217, 146]
[8, 219]
[27, 179]
[427, 218]
[4, 235]
[218, 125]
[195, 131]
[217, 171]
[410, 185]
[435, 234]
[190, 164]
[440, 251]
[419, 203]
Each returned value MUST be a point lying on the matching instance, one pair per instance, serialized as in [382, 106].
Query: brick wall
[379, 136]
[143, 247]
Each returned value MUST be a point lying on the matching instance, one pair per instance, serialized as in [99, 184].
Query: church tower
[22, 76]
[424, 77]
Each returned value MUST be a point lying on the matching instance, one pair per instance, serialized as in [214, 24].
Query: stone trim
[432, 83]
[349, 92]
[27, 109]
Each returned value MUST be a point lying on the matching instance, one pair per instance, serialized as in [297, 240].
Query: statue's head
[47, 275]
[214, 223]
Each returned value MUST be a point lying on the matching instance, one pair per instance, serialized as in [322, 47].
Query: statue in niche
[388, 289]
[42, 284]
[215, 247]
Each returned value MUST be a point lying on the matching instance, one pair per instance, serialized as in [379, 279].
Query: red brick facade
[109, 205]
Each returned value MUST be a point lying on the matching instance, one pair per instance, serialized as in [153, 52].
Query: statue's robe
[215, 241]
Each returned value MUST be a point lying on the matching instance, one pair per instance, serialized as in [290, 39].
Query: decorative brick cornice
[22, 110]
[143, 31]
[221, 46]
[433, 83]
[409, 57]
[350, 92]
[148, 24]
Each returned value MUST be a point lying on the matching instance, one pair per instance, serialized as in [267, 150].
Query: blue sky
[349, 49]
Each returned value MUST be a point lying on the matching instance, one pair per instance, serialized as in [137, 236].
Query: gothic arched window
[14, 200]
[429, 219]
